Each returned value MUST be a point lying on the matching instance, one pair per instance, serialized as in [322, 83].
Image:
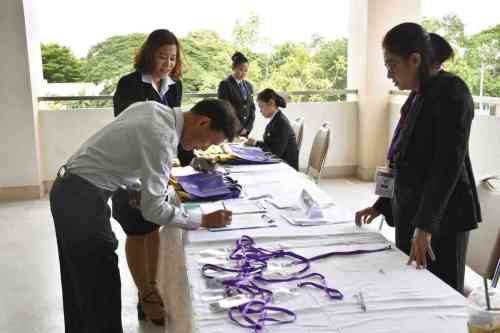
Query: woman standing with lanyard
[239, 92]
[279, 137]
[434, 203]
[157, 78]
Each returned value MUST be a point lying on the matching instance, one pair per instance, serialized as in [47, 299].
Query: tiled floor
[29, 272]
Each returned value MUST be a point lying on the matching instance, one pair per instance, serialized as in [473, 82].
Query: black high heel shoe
[140, 313]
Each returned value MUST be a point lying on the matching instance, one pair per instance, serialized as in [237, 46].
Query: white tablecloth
[398, 297]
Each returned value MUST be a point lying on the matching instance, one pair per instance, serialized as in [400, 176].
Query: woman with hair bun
[434, 203]
[279, 137]
[239, 92]
[441, 49]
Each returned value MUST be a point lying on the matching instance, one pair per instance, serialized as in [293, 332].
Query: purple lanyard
[396, 139]
[252, 261]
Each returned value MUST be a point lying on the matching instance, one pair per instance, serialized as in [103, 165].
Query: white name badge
[310, 206]
[384, 182]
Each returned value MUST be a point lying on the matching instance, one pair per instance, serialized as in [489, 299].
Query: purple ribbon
[252, 261]
[396, 139]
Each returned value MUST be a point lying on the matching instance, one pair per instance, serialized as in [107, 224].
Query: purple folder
[251, 155]
[209, 186]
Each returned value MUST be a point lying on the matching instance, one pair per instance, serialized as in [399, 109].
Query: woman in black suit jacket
[279, 137]
[239, 92]
[435, 203]
[156, 78]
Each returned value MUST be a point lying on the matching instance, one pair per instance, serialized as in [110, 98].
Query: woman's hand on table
[366, 216]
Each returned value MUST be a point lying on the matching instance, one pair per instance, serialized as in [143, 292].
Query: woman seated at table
[279, 137]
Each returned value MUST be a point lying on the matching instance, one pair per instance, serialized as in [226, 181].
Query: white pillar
[21, 73]
[369, 21]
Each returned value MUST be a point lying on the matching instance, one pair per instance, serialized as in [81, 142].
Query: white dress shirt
[138, 146]
[165, 83]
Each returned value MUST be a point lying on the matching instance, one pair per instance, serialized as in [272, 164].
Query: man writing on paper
[139, 145]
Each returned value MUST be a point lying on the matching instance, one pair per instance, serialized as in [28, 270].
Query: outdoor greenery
[318, 64]
[471, 52]
[60, 65]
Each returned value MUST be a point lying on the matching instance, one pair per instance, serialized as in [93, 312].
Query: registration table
[397, 297]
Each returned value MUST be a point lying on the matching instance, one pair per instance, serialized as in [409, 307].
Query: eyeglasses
[390, 64]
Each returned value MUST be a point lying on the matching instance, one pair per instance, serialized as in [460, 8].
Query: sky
[81, 24]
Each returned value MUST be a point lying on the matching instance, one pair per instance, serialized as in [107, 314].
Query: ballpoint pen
[496, 275]
[361, 300]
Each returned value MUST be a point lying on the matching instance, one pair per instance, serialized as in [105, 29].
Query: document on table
[210, 207]
[237, 206]
[183, 171]
[247, 221]
[243, 206]
[284, 202]
[331, 215]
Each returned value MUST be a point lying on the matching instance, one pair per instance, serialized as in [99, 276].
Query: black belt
[63, 173]
[63, 170]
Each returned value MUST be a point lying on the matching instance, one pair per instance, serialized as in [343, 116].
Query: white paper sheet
[243, 206]
[399, 298]
[210, 207]
[246, 222]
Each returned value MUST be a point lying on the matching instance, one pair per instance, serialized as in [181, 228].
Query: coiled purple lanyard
[252, 261]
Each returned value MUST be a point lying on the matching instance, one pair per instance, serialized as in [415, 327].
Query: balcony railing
[190, 98]
[487, 105]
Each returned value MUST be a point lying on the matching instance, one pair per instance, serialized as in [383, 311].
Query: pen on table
[362, 301]
[267, 218]
[381, 224]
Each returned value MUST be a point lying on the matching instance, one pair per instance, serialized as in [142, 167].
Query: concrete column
[21, 73]
[369, 21]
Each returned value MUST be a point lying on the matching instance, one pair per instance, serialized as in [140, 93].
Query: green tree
[112, 58]
[60, 65]
[449, 26]
[484, 48]
[320, 65]
[207, 60]
[246, 32]
[471, 52]
[332, 58]
[294, 68]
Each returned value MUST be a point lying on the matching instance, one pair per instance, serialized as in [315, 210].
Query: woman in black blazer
[434, 204]
[239, 92]
[156, 78]
[279, 137]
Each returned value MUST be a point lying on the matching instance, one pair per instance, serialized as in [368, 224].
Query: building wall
[62, 132]
[369, 22]
[21, 72]
[484, 141]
